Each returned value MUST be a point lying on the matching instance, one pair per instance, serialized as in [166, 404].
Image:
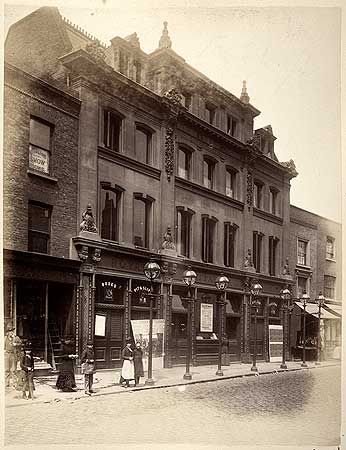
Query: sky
[289, 57]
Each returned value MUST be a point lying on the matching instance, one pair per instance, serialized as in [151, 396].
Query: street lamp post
[151, 271]
[304, 299]
[320, 301]
[255, 303]
[221, 284]
[286, 296]
[189, 279]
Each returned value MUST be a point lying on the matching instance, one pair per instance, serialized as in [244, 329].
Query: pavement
[106, 382]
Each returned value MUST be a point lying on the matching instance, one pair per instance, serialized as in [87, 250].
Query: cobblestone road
[292, 408]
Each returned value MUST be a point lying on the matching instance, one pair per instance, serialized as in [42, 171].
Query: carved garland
[169, 152]
[249, 189]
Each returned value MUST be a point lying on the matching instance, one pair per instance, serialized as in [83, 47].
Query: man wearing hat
[27, 366]
[12, 349]
[127, 371]
[88, 367]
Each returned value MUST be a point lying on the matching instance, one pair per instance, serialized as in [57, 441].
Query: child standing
[27, 366]
[88, 367]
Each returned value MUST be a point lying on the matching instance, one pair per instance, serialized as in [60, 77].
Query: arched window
[110, 211]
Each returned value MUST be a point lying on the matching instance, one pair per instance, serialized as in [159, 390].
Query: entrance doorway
[179, 338]
[233, 335]
[109, 340]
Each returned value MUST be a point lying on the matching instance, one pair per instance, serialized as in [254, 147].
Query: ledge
[42, 175]
[267, 216]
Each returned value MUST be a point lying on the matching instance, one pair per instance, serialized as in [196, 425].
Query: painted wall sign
[38, 159]
[206, 318]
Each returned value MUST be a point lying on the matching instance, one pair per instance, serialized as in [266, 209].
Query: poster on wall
[100, 325]
[206, 318]
[140, 329]
[276, 339]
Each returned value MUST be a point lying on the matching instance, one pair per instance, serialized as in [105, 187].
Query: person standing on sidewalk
[88, 367]
[66, 379]
[27, 366]
[12, 352]
[138, 362]
[127, 371]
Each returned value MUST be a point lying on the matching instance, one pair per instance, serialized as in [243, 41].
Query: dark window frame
[211, 167]
[184, 233]
[273, 249]
[149, 157]
[188, 162]
[148, 202]
[257, 250]
[114, 233]
[32, 231]
[208, 238]
[49, 150]
[258, 199]
[233, 173]
[230, 232]
[110, 116]
[273, 200]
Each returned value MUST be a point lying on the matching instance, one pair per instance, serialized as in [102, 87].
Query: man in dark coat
[66, 379]
[138, 362]
[27, 366]
[88, 367]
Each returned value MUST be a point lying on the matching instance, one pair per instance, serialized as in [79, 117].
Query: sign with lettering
[206, 318]
[276, 339]
[140, 329]
[38, 159]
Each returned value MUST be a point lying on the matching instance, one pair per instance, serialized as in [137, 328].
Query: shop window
[208, 173]
[232, 126]
[302, 252]
[40, 142]
[112, 124]
[38, 227]
[230, 230]
[142, 221]
[208, 238]
[184, 220]
[210, 113]
[184, 163]
[110, 211]
[110, 290]
[329, 286]
[231, 182]
[273, 244]
[143, 144]
[258, 194]
[330, 248]
[257, 250]
[273, 201]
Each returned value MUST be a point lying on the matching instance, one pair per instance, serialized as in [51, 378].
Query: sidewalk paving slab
[106, 382]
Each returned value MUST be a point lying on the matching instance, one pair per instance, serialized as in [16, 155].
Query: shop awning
[327, 311]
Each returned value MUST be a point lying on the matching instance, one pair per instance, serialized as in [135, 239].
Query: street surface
[293, 408]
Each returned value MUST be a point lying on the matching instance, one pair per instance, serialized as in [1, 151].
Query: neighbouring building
[114, 156]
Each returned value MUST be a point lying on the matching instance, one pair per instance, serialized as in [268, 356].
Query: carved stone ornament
[83, 253]
[249, 189]
[169, 152]
[88, 222]
[96, 50]
[254, 142]
[97, 255]
[168, 240]
[248, 260]
[291, 167]
[173, 97]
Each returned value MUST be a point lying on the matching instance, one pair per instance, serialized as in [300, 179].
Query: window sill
[331, 260]
[36, 173]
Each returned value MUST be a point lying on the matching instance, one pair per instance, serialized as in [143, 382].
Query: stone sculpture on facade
[88, 223]
[248, 264]
[168, 240]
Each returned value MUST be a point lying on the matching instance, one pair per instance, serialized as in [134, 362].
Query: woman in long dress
[127, 371]
[66, 379]
[138, 362]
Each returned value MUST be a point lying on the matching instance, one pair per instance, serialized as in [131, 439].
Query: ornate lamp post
[320, 301]
[285, 295]
[255, 303]
[151, 271]
[221, 284]
[304, 299]
[189, 279]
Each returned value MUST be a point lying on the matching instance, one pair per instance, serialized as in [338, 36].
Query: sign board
[140, 329]
[38, 159]
[206, 324]
[276, 339]
[100, 325]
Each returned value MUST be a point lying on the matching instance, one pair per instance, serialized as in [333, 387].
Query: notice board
[276, 339]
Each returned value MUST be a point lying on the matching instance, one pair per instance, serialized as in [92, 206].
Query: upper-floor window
[110, 211]
[273, 244]
[210, 113]
[143, 144]
[208, 173]
[184, 223]
[329, 286]
[273, 201]
[257, 250]
[187, 100]
[232, 126]
[231, 182]
[184, 163]
[208, 238]
[258, 194]
[302, 252]
[230, 230]
[302, 286]
[111, 136]
[40, 142]
[330, 249]
[142, 219]
[38, 227]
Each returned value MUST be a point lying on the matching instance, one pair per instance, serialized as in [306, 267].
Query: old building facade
[157, 161]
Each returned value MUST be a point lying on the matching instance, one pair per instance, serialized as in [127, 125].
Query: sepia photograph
[172, 225]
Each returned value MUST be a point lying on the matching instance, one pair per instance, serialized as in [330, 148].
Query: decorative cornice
[303, 224]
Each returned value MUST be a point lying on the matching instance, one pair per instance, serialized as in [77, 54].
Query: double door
[109, 337]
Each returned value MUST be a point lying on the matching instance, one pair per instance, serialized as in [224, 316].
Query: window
[302, 252]
[231, 182]
[38, 228]
[208, 235]
[142, 205]
[329, 287]
[184, 163]
[210, 114]
[273, 196]
[257, 194]
[143, 145]
[302, 286]
[187, 100]
[40, 145]
[230, 230]
[208, 173]
[111, 130]
[257, 250]
[110, 212]
[330, 250]
[232, 126]
[273, 243]
[184, 220]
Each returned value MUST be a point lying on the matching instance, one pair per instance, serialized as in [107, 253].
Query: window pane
[302, 252]
[140, 223]
[183, 169]
[40, 134]
[302, 286]
[142, 145]
[109, 215]
[37, 242]
[111, 130]
[330, 249]
[39, 218]
[208, 170]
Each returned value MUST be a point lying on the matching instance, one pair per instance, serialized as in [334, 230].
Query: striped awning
[327, 311]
